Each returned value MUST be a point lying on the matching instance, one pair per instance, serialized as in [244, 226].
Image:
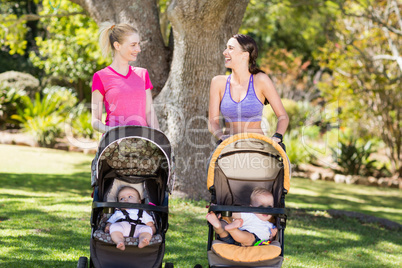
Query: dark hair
[249, 45]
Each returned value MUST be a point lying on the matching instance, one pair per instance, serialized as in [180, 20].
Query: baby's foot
[121, 246]
[213, 220]
[143, 243]
[237, 223]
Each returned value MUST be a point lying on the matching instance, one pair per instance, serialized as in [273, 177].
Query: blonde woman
[123, 90]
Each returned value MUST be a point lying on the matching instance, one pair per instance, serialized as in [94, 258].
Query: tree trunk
[201, 29]
[143, 15]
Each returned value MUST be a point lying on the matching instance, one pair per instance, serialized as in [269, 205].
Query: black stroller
[238, 165]
[139, 157]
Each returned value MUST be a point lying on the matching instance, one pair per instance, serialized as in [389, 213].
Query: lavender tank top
[248, 109]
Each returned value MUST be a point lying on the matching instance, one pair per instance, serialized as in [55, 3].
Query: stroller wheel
[82, 262]
[168, 265]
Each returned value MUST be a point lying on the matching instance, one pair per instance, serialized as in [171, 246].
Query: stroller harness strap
[133, 223]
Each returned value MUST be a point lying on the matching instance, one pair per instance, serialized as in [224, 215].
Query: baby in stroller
[130, 222]
[247, 229]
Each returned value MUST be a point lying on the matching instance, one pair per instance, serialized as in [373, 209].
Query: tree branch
[375, 18]
[393, 48]
[384, 57]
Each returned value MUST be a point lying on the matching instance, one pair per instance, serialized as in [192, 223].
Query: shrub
[311, 132]
[45, 130]
[80, 120]
[20, 82]
[296, 149]
[353, 157]
[42, 117]
[36, 108]
[9, 100]
[298, 113]
[64, 95]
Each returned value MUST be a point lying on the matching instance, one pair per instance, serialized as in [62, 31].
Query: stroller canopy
[258, 162]
[133, 151]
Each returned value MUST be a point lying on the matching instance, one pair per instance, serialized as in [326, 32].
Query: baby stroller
[139, 157]
[238, 165]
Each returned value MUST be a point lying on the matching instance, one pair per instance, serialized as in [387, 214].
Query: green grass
[322, 195]
[45, 207]
[314, 239]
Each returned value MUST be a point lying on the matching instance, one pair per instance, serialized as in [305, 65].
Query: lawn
[45, 208]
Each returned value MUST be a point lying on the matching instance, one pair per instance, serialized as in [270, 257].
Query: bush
[80, 121]
[20, 82]
[296, 150]
[298, 113]
[43, 117]
[353, 157]
[65, 95]
[9, 100]
[45, 130]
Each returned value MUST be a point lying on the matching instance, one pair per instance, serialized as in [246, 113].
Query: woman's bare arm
[152, 120]
[263, 82]
[215, 97]
[96, 109]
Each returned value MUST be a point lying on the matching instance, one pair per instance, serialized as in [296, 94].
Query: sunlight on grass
[383, 209]
[21, 159]
[380, 202]
[44, 219]
[186, 239]
[303, 192]
[63, 210]
[349, 198]
[326, 235]
[25, 194]
[45, 197]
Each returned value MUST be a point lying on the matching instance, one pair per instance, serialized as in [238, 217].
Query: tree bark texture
[201, 29]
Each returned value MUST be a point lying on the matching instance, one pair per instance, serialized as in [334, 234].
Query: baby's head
[128, 194]
[261, 197]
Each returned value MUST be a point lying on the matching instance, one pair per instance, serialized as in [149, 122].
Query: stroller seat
[129, 241]
[227, 254]
[111, 196]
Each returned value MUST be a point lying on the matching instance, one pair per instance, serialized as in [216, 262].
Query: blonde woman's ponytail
[105, 30]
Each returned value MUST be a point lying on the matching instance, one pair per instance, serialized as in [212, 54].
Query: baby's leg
[118, 239]
[144, 239]
[144, 234]
[243, 237]
[117, 231]
[216, 223]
